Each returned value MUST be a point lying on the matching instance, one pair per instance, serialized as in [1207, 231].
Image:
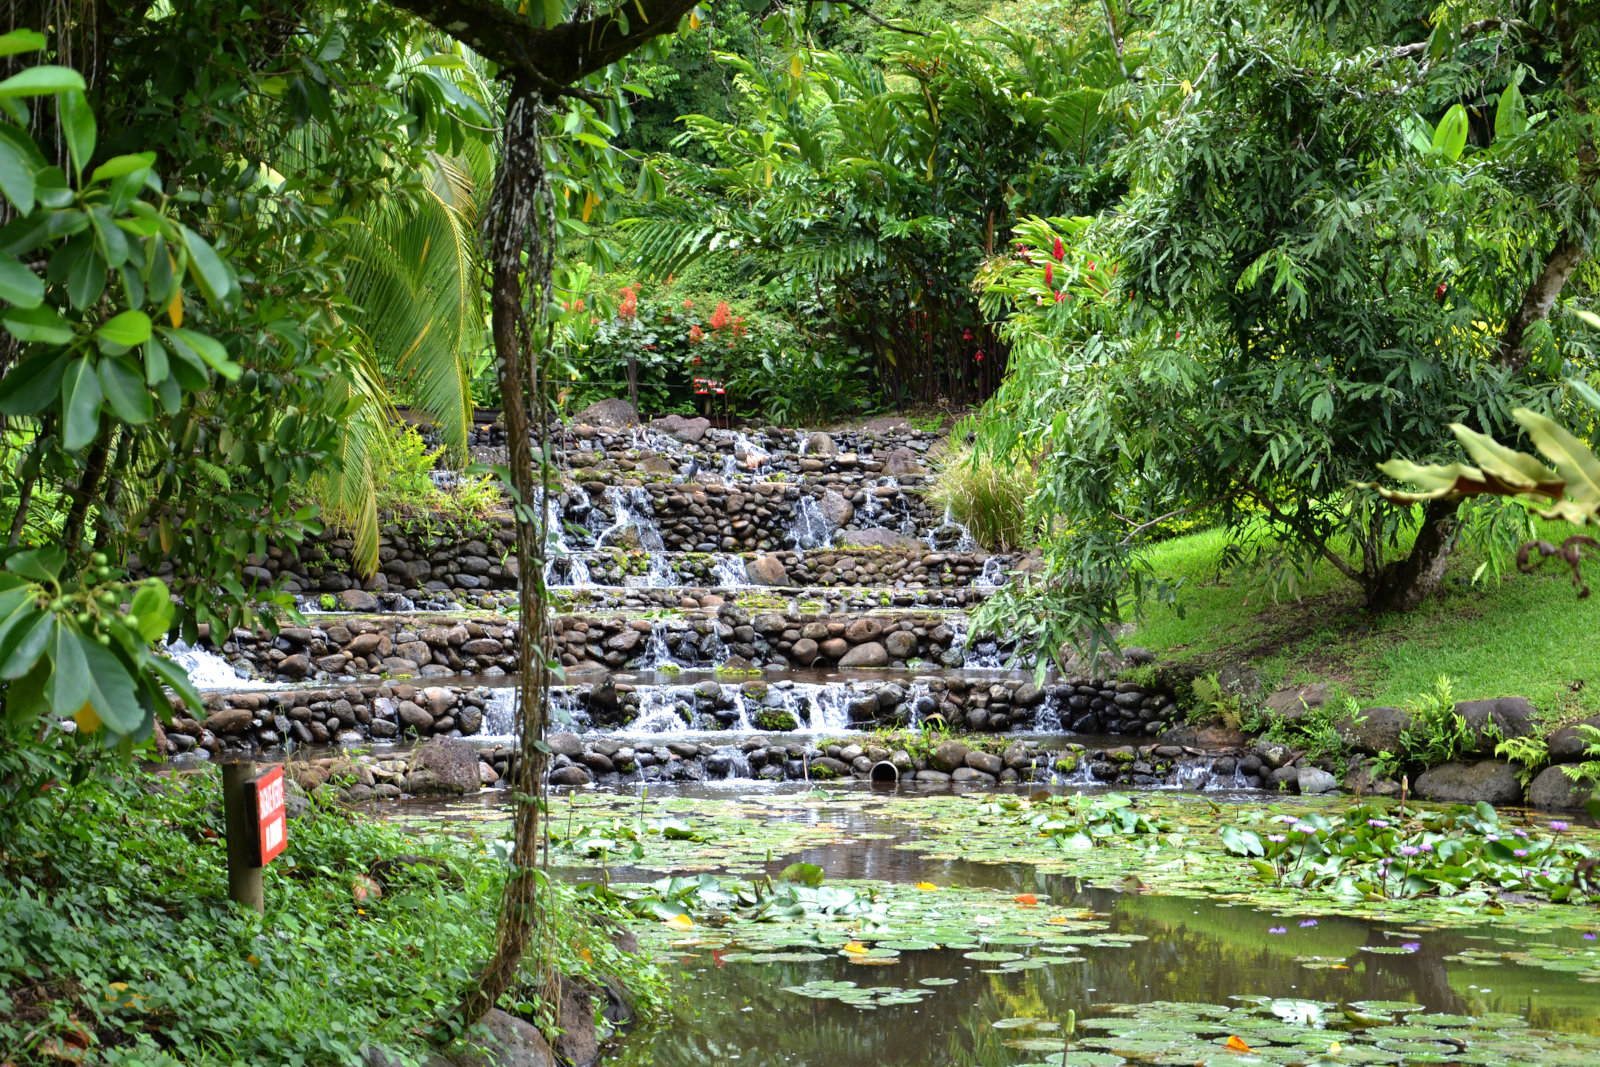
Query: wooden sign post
[257, 827]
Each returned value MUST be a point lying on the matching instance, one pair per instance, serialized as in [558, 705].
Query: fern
[1531, 754]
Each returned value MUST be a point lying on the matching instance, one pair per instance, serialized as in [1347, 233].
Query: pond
[922, 956]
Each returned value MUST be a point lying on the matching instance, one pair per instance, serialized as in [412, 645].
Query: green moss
[1066, 764]
[822, 774]
[775, 720]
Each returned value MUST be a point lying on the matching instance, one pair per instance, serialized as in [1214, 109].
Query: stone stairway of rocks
[729, 604]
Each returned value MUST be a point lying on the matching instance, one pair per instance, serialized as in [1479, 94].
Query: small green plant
[1436, 733]
[328, 602]
[1212, 704]
[1586, 773]
[1531, 754]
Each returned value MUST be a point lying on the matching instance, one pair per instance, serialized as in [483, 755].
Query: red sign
[272, 827]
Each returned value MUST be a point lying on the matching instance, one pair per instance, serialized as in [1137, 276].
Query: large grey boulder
[1315, 780]
[881, 538]
[901, 461]
[1494, 781]
[870, 654]
[1492, 720]
[766, 570]
[1291, 704]
[1374, 730]
[443, 766]
[1552, 790]
[501, 1040]
[836, 509]
[1567, 745]
[948, 756]
[612, 414]
[690, 430]
[820, 444]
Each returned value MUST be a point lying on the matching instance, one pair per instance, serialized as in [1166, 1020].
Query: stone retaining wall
[349, 715]
[344, 648]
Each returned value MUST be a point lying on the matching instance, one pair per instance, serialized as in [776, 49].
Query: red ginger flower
[696, 335]
[630, 303]
[1049, 276]
[1059, 251]
[721, 317]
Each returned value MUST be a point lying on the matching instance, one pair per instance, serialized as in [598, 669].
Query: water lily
[1277, 929]
[1557, 825]
[1409, 850]
[1411, 946]
[1276, 838]
[1307, 922]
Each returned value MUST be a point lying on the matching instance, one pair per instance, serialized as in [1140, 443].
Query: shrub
[989, 499]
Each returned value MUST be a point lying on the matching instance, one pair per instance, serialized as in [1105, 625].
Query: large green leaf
[207, 269]
[78, 127]
[19, 286]
[111, 689]
[80, 405]
[42, 324]
[152, 604]
[1511, 115]
[16, 171]
[33, 384]
[18, 41]
[1450, 138]
[1573, 460]
[69, 683]
[122, 332]
[21, 648]
[123, 384]
[42, 81]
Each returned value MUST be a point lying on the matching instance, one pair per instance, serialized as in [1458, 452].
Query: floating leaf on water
[1386, 1007]
[772, 957]
[1236, 1044]
[1020, 1022]
[992, 957]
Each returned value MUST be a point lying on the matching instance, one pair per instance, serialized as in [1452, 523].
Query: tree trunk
[519, 219]
[1405, 583]
[1539, 299]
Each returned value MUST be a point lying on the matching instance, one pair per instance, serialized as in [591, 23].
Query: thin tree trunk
[1539, 299]
[94, 469]
[519, 220]
[1405, 583]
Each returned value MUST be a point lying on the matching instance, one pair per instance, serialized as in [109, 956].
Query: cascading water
[500, 714]
[980, 655]
[828, 704]
[895, 515]
[993, 575]
[811, 528]
[728, 572]
[562, 561]
[633, 508]
[207, 670]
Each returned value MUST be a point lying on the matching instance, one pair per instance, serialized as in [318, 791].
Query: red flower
[1060, 296]
[721, 317]
[979, 357]
[1059, 251]
[1049, 276]
[687, 304]
[1091, 266]
[579, 304]
[630, 303]
[696, 335]
[1438, 294]
[966, 335]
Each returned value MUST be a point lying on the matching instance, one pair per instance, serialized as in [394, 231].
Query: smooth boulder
[613, 414]
[1494, 781]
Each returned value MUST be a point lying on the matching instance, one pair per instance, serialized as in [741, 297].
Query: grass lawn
[1526, 635]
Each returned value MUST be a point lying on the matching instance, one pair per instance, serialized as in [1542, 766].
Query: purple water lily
[1307, 922]
[1277, 929]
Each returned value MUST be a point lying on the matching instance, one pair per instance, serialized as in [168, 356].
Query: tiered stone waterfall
[728, 604]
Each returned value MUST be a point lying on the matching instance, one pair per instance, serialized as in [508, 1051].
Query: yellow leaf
[680, 922]
[175, 309]
[587, 956]
[120, 987]
[252, 959]
[1335, 1048]
[926, 886]
[856, 948]
[522, 8]
[694, 20]
[1236, 1044]
[588, 205]
[86, 719]
[797, 65]
[769, 174]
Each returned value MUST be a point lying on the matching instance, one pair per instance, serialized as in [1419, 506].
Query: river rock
[804, 652]
[230, 721]
[506, 1041]
[359, 600]
[834, 647]
[1508, 717]
[565, 744]
[901, 461]
[836, 509]
[870, 654]
[948, 756]
[627, 537]
[820, 444]
[613, 413]
[1314, 780]
[1494, 781]
[1568, 745]
[900, 644]
[1552, 790]
[881, 538]
[1374, 730]
[569, 775]
[826, 767]
[690, 430]
[452, 763]
[986, 762]
[1291, 704]
[766, 570]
